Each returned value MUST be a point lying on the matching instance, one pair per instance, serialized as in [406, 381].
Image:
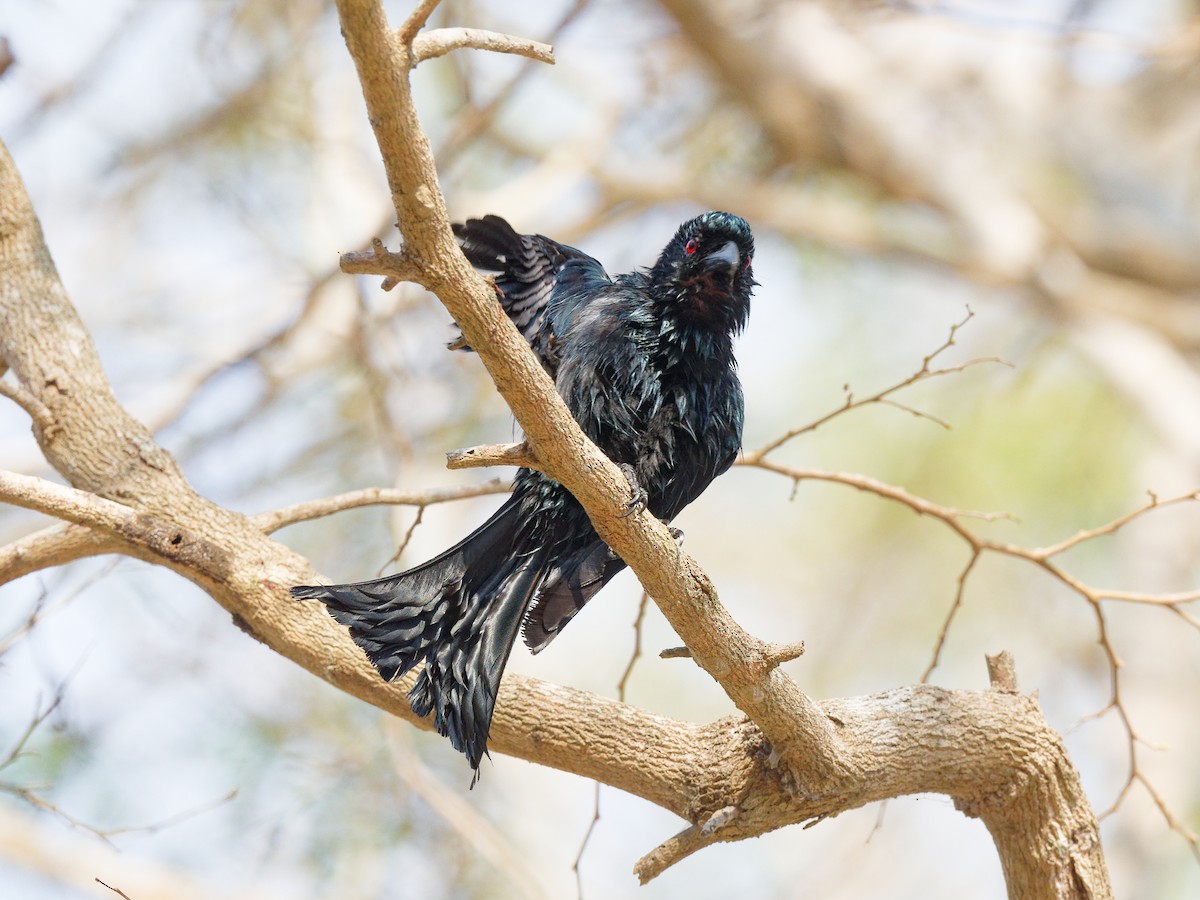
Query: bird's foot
[638, 501]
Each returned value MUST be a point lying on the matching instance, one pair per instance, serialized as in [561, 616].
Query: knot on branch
[395, 267]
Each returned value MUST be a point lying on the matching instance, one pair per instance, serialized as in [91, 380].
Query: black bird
[645, 364]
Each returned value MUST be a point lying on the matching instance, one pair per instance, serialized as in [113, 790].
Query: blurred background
[198, 165]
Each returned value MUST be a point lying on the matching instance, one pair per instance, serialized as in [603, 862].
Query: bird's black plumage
[645, 364]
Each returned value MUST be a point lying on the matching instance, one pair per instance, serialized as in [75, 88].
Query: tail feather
[460, 683]
[565, 589]
[459, 613]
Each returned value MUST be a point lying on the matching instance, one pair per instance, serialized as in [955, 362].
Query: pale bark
[787, 759]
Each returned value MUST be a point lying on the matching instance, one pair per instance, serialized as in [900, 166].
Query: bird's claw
[638, 501]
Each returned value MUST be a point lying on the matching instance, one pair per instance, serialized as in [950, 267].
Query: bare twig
[432, 44]
[43, 608]
[395, 557]
[493, 455]
[924, 373]
[416, 20]
[636, 654]
[587, 836]
[117, 891]
[315, 509]
[675, 653]
[959, 590]
[1043, 557]
[1002, 672]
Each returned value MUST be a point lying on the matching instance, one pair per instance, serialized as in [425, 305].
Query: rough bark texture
[787, 759]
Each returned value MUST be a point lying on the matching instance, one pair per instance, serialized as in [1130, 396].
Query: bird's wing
[526, 267]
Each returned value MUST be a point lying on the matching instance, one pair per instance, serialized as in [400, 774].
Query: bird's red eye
[692, 246]
[748, 259]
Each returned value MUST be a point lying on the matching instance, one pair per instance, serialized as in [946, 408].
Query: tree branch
[314, 509]
[492, 455]
[440, 42]
[53, 546]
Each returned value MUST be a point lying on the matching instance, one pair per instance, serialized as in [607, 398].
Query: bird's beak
[727, 258]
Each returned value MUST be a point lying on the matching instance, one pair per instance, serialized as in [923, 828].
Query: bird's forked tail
[459, 613]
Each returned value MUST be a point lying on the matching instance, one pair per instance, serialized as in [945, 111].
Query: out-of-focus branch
[75, 861]
[461, 815]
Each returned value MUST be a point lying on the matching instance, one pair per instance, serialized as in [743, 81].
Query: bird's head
[705, 272]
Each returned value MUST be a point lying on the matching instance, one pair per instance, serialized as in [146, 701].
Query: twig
[395, 558]
[671, 851]
[416, 21]
[273, 520]
[42, 609]
[924, 373]
[1113, 526]
[777, 654]
[18, 749]
[949, 620]
[637, 646]
[432, 44]
[117, 891]
[587, 836]
[492, 455]
[675, 653]
[1002, 672]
